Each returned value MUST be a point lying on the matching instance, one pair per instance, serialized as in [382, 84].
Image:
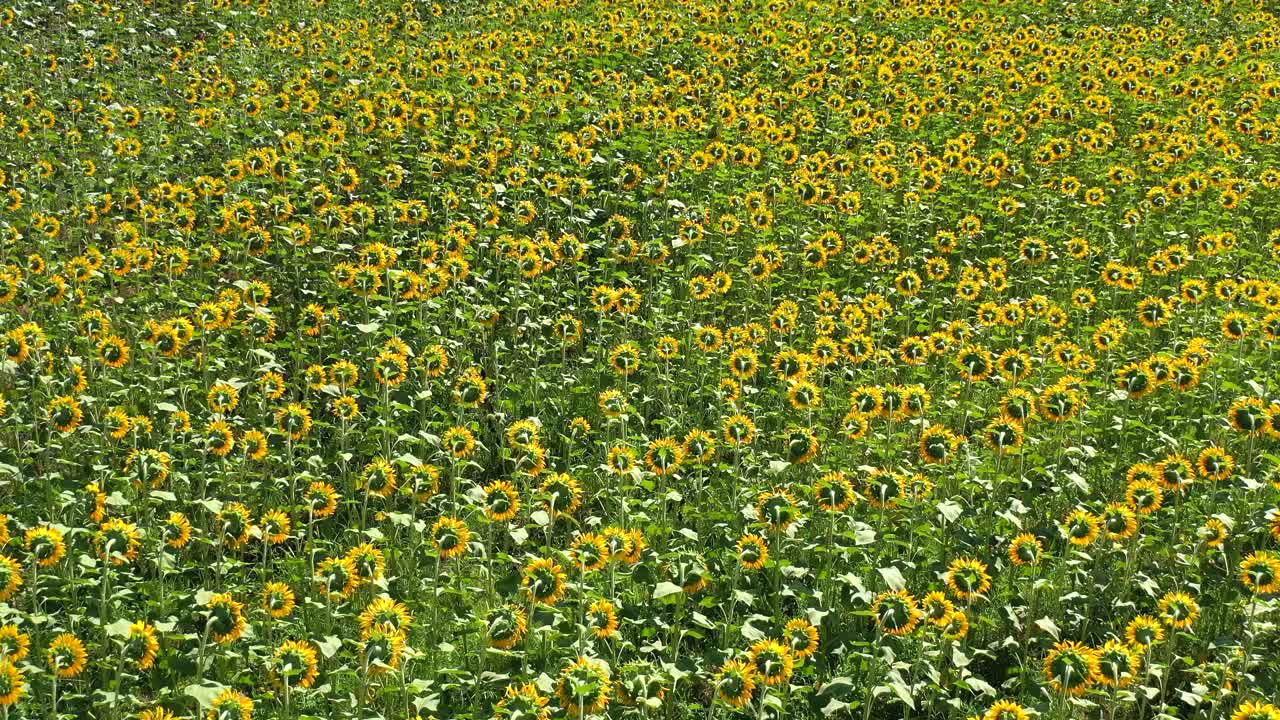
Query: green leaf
[204, 693]
[1049, 626]
[665, 589]
[329, 646]
[893, 578]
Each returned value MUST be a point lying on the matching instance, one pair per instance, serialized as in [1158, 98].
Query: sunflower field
[677, 359]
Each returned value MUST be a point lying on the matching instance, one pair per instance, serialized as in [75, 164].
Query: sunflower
[1144, 631]
[885, 488]
[295, 664]
[141, 646]
[379, 478]
[584, 687]
[65, 413]
[450, 536]
[735, 682]
[113, 351]
[1179, 610]
[561, 494]
[337, 575]
[383, 649]
[294, 420]
[1119, 522]
[368, 561]
[1250, 710]
[1260, 572]
[896, 612]
[602, 618]
[278, 600]
[1248, 415]
[255, 444]
[590, 552]
[176, 530]
[801, 637]
[1006, 710]
[1082, 527]
[66, 656]
[1215, 463]
[231, 705]
[772, 661]
[1118, 663]
[522, 702]
[223, 398]
[385, 611]
[506, 626]
[1071, 667]
[14, 644]
[235, 524]
[1025, 549]
[777, 509]
[46, 545]
[12, 684]
[501, 501]
[955, 625]
[739, 430]
[1175, 473]
[834, 492]
[938, 445]
[459, 441]
[968, 578]
[275, 526]
[935, 607]
[226, 620]
[621, 459]
[1144, 496]
[664, 456]
[544, 581]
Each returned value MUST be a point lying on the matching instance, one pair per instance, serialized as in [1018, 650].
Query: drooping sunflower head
[66, 656]
[231, 705]
[1118, 663]
[735, 683]
[522, 702]
[584, 687]
[1025, 549]
[1070, 667]
[506, 626]
[968, 578]
[1260, 572]
[1179, 610]
[295, 664]
[896, 612]
[801, 637]
[141, 645]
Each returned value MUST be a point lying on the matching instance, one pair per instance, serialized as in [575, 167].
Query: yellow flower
[1179, 610]
[735, 682]
[1070, 667]
[226, 618]
[801, 637]
[46, 545]
[66, 656]
[450, 536]
[231, 705]
[544, 581]
[12, 684]
[968, 578]
[294, 664]
[278, 600]
[142, 646]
